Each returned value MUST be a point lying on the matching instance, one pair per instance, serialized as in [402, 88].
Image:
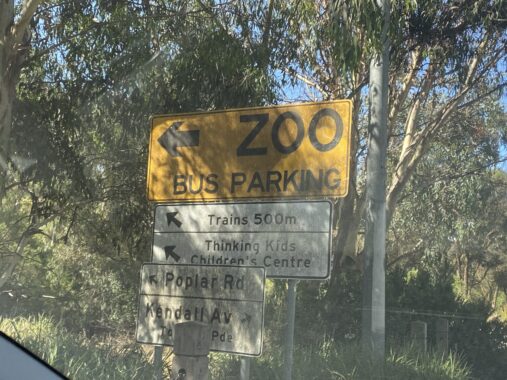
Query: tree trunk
[466, 280]
[349, 208]
[6, 99]
[348, 214]
[5, 129]
[494, 298]
[14, 46]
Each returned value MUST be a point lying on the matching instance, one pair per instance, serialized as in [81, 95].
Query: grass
[80, 358]
[344, 362]
[75, 356]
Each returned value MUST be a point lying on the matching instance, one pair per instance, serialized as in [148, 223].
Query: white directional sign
[230, 299]
[291, 239]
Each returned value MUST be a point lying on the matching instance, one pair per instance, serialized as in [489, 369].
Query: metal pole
[373, 318]
[157, 362]
[244, 370]
[289, 334]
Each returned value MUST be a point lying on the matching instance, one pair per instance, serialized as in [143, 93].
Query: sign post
[289, 333]
[373, 315]
[158, 362]
[244, 369]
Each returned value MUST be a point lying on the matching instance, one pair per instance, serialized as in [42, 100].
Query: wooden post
[191, 348]
[419, 334]
[442, 335]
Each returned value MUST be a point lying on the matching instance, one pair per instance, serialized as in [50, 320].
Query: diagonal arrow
[153, 279]
[171, 218]
[172, 138]
[169, 251]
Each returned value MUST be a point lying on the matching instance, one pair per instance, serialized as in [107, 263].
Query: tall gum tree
[87, 81]
[445, 58]
[14, 46]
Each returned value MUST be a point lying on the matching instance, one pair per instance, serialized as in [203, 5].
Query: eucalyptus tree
[453, 213]
[15, 33]
[445, 58]
[95, 73]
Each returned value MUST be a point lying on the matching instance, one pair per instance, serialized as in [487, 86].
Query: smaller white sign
[229, 298]
[291, 239]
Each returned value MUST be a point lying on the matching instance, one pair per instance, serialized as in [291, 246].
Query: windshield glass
[321, 185]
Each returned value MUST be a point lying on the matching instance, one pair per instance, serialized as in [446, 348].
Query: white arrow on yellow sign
[300, 150]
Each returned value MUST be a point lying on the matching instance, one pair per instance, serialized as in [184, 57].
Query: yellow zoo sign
[289, 151]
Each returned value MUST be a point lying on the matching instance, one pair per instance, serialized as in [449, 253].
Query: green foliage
[338, 310]
[425, 295]
[482, 342]
[98, 69]
[87, 292]
[13, 221]
[453, 213]
[96, 296]
[73, 355]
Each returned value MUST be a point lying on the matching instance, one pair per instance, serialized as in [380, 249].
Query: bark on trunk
[415, 145]
[466, 279]
[494, 298]
[14, 45]
[6, 19]
[349, 214]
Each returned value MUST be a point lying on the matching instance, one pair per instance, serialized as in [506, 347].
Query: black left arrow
[172, 138]
[169, 251]
[153, 279]
[171, 218]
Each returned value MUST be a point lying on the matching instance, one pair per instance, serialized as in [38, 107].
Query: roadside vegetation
[82, 358]
[79, 81]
